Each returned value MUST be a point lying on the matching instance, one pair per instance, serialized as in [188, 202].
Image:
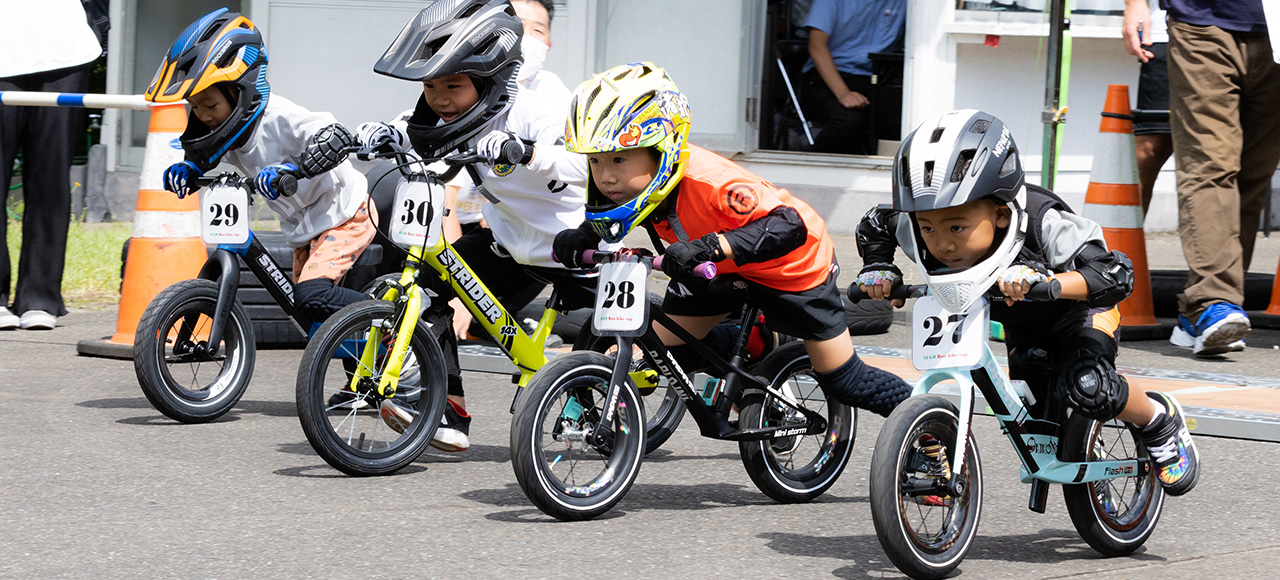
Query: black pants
[46, 137]
[841, 130]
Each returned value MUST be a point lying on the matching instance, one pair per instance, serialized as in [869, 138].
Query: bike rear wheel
[666, 410]
[179, 382]
[795, 468]
[362, 432]
[560, 470]
[1114, 516]
[925, 532]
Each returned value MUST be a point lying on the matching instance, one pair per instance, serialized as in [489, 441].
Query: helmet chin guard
[958, 290]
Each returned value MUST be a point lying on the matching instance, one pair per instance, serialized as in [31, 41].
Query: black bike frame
[222, 268]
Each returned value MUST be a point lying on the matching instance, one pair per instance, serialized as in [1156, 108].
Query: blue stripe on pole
[70, 100]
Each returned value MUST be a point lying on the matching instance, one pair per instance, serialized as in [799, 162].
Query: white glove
[1029, 273]
[504, 147]
[373, 135]
[877, 274]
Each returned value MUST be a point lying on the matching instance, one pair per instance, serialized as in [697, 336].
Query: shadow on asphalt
[323, 471]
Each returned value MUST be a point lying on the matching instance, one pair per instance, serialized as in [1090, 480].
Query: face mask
[535, 54]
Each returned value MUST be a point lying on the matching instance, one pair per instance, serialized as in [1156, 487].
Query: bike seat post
[1039, 495]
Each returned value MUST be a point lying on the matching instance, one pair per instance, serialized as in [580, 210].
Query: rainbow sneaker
[1170, 445]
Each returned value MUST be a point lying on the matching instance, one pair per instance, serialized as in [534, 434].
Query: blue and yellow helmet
[223, 50]
[629, 106]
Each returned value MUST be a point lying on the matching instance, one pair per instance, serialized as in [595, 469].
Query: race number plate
[224, 214]
[942, 339]
[418, 213]
[622, 299]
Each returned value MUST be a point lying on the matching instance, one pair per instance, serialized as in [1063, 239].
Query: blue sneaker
[1222, 328]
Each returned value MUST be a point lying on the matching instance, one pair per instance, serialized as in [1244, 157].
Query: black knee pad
[1093, 387]
[318, 299]
[858, 384]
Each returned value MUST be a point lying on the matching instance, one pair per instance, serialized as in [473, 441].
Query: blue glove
[266, 180]
[178, 177]
[504, 147]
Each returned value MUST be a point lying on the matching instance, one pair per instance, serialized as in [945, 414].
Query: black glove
[568, 246]
[682, 257]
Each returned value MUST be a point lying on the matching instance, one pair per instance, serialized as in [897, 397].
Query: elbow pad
[325, 150]
[772, 236]
[1109, 275]
[876, 237]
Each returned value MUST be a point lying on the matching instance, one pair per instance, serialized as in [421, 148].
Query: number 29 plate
[942, 339]
[622, 299]
[224, 214]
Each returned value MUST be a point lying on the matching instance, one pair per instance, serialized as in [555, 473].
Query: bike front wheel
[560, 468]
[796, 468]
[178, 379]
[361, 432]
[1114, 516]
[925, 526]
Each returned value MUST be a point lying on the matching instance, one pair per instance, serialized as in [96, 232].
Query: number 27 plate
[622, 299]
[942, 339]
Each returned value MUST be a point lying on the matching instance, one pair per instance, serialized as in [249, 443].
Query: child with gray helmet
[964, 214]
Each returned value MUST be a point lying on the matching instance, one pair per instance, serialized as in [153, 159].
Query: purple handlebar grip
[706, 270]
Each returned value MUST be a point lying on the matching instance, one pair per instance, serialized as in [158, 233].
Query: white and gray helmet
[478, 38]
[949, 160]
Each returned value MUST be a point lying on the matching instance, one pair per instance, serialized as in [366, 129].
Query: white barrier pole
[86, 100]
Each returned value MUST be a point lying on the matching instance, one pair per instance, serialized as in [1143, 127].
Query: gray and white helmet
[478, 38]
[950, 160]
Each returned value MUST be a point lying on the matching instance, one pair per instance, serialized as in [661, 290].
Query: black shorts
[1153, 89]
[814, 314]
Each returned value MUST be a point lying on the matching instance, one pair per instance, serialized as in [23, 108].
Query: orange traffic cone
[166, 246]
[1114, 201]
[1269, 318]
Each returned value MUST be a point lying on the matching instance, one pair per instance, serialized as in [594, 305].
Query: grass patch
[91, 279]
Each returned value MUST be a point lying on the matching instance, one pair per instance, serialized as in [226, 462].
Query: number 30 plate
[942, 339]
[622, 299]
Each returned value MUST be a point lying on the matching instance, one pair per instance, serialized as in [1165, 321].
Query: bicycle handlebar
[390, 150]
[286, 182]
[1039, 292]
[705, 270]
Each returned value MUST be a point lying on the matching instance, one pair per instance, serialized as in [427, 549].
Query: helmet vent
[1010, 163]
[962, 164]
[937, 135]
[980, 126]
[928, 174]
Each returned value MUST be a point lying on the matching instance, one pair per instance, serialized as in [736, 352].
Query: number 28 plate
[622, 299]
[942, 339]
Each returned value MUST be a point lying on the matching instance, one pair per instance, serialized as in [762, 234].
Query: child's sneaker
[1184, 335]
[1170, 445]
[8, 320]
[454, 427]
[1222, 328]
[396, 417]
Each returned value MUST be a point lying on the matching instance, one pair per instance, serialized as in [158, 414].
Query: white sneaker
[8, 320]
[37, 320]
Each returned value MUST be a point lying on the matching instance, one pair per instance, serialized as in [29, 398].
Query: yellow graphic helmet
[629, 106]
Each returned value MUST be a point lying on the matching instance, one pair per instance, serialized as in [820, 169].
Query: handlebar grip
[286, 184]
[515, 153]
[900, 291]
[705, 270]
[1045, 291]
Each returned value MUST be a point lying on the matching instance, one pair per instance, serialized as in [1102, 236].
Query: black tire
[1166, 285]
[1114, 516]
[924, 535]
[355, 438]
[798, 468]
[666, 409]
[867, 317]
[567, 477]
[202, 389]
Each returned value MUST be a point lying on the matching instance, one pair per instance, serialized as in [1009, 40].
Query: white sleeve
[541, 120]
[1064, 234]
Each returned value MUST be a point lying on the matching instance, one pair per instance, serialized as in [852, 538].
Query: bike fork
[223, 269]
[617, 382]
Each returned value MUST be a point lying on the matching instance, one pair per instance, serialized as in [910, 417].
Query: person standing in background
[1146, 37]
[44, 46]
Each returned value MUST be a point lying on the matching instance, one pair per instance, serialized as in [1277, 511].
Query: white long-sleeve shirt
[322, 202]
[44, 35]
